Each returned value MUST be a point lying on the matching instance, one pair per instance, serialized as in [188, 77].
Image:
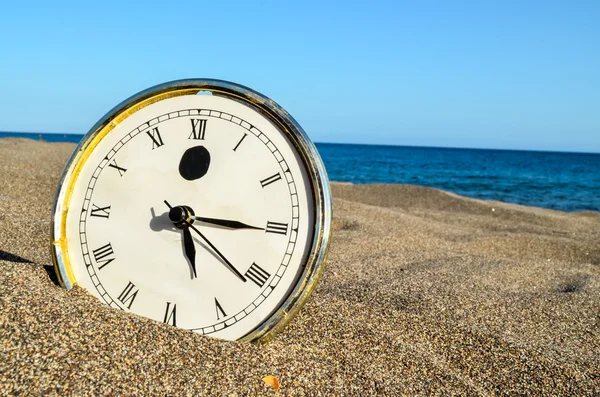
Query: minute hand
[225, 222]
[231, 267]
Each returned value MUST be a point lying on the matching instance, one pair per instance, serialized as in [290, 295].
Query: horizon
[500, 75]
[345, 143]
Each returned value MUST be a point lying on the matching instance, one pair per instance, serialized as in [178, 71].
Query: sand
[425, 292]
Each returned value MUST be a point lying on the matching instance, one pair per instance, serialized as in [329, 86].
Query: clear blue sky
[488, 74]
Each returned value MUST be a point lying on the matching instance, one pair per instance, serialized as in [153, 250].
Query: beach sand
[425, 292]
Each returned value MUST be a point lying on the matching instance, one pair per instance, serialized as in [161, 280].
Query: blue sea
[48, 137]
[560, 181]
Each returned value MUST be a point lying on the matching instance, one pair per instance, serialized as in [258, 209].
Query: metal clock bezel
[315, 168]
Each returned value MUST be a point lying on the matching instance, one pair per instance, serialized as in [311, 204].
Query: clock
[197, 203]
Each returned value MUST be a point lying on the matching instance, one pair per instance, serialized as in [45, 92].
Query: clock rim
[313, 268]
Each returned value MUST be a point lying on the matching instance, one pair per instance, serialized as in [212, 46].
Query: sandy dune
[425, 292]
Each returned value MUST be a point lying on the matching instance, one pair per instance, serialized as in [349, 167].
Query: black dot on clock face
[194, 163]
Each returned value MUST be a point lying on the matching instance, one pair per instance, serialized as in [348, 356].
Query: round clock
[197, 203]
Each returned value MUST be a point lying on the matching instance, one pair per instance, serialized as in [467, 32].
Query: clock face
[196, 211]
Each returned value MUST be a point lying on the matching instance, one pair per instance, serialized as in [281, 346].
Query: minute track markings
[250, 128]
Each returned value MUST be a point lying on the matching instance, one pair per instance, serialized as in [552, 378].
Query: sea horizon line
[16, 134]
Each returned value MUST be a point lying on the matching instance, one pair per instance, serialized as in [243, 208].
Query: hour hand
[179, 216]
[190, 250]
[225, 223]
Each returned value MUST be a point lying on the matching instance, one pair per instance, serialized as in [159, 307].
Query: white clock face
[227, 166]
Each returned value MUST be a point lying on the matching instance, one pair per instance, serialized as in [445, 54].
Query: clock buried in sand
[198, 203]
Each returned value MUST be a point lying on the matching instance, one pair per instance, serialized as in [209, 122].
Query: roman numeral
[257, 274]
[171, 314]
[276, 227]
[100, 212]
[128, 295]
[198, 129]
[271, 179]
[219, 310]
[156, 138]
[103, 255]
[238, 144]
[115, 166]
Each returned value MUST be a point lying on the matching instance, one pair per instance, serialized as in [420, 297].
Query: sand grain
[425, 292]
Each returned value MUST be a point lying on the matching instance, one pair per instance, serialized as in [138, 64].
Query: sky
[476, 74]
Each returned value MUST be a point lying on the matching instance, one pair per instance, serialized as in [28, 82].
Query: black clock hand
[180, 215]
[233, 269]
[188, 243]
[190, 250]
[225, 222]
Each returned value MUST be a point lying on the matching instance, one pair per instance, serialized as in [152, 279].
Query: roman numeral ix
[276, 227]
[128, 295]
[156, 138]
[257, 274]
[271, 179]
[198, 129]
[100, 212]
[103, 255]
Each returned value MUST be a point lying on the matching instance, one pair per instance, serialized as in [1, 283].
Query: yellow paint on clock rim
[82, 157]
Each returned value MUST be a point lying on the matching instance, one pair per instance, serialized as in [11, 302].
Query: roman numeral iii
[257, 274]
[128, 294]
[198, 129]
[276, 227]
[154, 134]
[104, 255]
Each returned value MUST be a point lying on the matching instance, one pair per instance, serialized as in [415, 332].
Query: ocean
[555, 180]
[48, 137]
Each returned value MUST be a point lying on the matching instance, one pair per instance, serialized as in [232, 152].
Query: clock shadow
[10, 257]
[162, 223]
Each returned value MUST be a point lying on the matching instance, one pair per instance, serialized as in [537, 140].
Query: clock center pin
[181, 216]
